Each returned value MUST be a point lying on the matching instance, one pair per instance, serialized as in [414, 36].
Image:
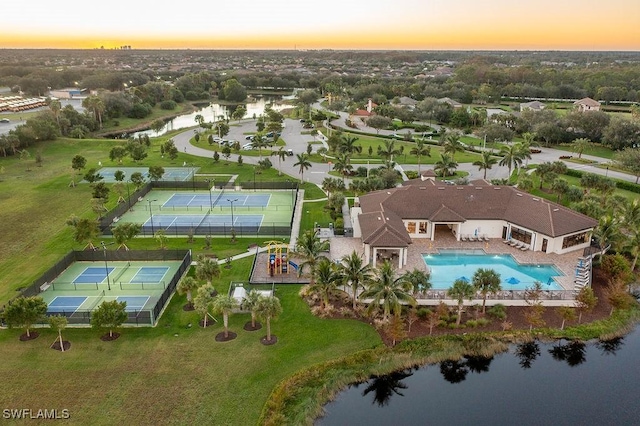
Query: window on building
[423, 228]
[411, 227]
[574, 240]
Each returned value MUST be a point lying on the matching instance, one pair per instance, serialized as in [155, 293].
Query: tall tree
[580, 145]
[303, 164]
[486, 281]
[207, 269]
[355, 273]
[282, 155]
[446, 166]
[326, 280]
[420, 150]
[348, 144]
[459, 291]
[388, 150]
[342, 165]
[310, 248]
[418, 279]
[388, 292]
[453, 144]
[269, 308]
[203, 301]
[629, 159]
[486, 162]
[124, 232]
[188, 285]
[109, 315]
[512, 156]
[57, 324]
[250, 302]
[24, 312]
[225, 304]
[586, 300]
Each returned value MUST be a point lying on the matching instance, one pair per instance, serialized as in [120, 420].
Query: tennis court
[246, 213]
[179, 174]
[217, 199]
[171, 222]
[80, 288]
[92, 275]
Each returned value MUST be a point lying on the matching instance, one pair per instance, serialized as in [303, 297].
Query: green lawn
[596, 150]
[173, 373]
[405, 158]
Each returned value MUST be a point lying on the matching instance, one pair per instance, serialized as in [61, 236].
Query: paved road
[316, 174]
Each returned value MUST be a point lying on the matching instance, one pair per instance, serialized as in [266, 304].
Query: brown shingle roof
[450, 203]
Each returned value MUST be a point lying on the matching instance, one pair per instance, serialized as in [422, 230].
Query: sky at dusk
[313, 24]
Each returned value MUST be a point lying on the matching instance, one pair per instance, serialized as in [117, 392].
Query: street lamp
[607, 172]
[106, 265]
[254, 179]
[151, 215]
[232, 201]
[210, 199]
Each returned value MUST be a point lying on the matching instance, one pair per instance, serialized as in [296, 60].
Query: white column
[400, 258]
[433, 230]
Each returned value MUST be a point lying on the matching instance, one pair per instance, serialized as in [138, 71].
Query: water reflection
[610, 346]
[527, 353]
[384, 387]
[573, 353]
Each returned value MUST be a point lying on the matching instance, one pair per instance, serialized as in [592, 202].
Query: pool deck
[565, 262]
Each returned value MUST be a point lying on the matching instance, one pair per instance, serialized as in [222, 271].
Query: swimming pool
[450, 265]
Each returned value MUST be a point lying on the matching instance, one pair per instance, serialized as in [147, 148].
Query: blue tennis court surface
[204, 200]
[134, 303]
[169, 221]
[150, 274]
[66, 303]
[92, 275]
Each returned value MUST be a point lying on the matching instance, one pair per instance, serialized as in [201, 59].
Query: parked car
[290, 152]
[247, 146]
[396, 136]
[4, 120]
[217, 139]
[249, 137]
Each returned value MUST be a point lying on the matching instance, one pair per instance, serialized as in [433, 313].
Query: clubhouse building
[388, 221]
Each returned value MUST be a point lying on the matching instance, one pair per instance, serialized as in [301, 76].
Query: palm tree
[418, 279]
[269, 308]
[282, 155]
[225, 304]
[342, 165]
[309, 247]
[388, 292]
[203, 301]
[607, 232]
[513, 156]
[259, 142]
[419, 151]
[207, 269]
[348, 146]
[580, 145]
[453, 144]
[326, 280]
[95, 104]
[446, 166]
[250, 302]
[303, 164]
[486, 162]
[55, 106]
[188, 285]
[388, 150]
[486, 281]
[459, 291]
[355, 273]
[358, 186]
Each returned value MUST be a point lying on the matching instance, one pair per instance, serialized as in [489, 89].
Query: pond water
[534, 384]
[213, 111]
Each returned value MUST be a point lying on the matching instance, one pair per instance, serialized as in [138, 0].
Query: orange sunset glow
[280, 24]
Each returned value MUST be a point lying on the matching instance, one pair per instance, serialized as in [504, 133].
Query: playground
[276, 265]
[214, 212]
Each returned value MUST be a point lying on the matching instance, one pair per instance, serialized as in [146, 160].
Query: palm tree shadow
[384, 387]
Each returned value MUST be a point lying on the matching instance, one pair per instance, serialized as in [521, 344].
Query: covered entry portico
[397, 256]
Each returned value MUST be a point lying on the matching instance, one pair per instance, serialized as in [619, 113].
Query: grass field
[173, 374]
[36, 201]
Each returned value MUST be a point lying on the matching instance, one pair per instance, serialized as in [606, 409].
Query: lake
[536, 384]
[213, 111]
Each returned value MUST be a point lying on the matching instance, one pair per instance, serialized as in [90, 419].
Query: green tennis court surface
[178, 174]
[246, 213]
[84, 285]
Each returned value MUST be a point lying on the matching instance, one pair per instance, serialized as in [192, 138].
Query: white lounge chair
[463, 237]
[524, 247]
[485, 237]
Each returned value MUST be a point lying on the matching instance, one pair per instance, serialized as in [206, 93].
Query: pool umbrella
[463, 278]
[513, 280]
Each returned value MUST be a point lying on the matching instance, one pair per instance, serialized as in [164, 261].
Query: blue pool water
[449, 266]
